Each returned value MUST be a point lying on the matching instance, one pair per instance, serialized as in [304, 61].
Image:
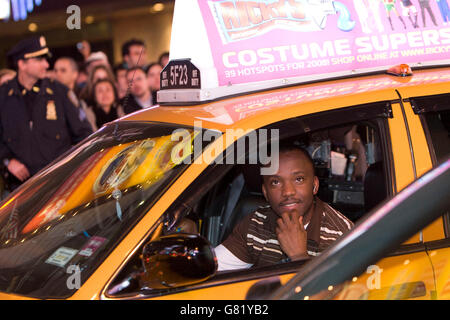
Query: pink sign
[91, 246]
[262, 40]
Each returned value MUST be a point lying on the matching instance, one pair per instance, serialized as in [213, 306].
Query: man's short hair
[289, 146]
[134, 69]
[133, 42]
[72, 62]
[292, 146]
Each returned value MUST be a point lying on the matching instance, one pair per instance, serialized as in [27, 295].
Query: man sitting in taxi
[295, 225]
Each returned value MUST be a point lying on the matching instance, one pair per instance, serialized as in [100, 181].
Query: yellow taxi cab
[136, 209]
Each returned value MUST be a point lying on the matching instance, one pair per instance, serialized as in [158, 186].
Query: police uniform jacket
[38, 135]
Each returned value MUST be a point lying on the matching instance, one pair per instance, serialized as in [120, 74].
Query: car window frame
[421, 111]
[434, 162]
[341, 116]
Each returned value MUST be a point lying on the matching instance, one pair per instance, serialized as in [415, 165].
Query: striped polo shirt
[254, 240]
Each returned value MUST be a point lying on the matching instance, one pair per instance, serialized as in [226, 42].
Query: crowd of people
[105, 91]
[44, 112]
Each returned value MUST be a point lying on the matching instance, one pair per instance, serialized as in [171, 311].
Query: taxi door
[427, 110]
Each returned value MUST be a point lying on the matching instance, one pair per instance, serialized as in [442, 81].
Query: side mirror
[177, 260]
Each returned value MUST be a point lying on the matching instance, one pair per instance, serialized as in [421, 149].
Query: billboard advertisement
[273, 39]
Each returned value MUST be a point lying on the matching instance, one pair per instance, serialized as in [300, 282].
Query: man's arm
[18, 169]
[233, 253]
[228, 261]
[5, 152]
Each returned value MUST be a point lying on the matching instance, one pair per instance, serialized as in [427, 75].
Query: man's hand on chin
[292, 236]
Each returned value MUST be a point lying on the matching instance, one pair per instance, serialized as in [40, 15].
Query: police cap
[29, 48]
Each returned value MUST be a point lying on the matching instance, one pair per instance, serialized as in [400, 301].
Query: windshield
[68, 218]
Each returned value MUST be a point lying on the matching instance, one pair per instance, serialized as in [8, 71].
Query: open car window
[226, 192]
[68, 218]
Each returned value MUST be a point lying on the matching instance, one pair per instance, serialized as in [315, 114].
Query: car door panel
[404, 277]
[230, 291]
[422, 153]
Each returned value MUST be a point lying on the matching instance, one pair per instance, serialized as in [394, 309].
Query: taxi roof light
[401, 70]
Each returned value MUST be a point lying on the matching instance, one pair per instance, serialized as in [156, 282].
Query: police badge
[51, 110]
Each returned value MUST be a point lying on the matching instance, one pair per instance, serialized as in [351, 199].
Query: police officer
[38, 121]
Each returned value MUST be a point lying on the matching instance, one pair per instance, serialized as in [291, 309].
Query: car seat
[250, 198]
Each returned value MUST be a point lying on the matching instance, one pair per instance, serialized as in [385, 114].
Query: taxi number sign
[180, 74]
